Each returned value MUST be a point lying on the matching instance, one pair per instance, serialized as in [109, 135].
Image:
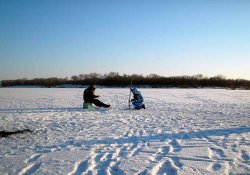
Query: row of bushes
[115, 79]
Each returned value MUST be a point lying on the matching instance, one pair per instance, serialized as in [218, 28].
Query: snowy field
[182, 131]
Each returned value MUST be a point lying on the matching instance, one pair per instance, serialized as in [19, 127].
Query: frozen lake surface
[182, 131]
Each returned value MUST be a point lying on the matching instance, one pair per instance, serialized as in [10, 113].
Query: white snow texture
[181, 131]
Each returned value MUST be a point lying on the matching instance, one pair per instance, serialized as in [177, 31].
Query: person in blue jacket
[137, 100]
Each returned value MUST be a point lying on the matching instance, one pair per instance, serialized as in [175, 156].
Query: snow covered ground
[182, 131]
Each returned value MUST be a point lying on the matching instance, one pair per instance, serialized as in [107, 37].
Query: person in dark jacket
[90, 97]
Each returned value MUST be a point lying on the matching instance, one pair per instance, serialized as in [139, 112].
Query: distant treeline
[152, 80]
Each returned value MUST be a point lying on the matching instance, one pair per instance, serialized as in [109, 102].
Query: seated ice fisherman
[89, 97]
[137, 100]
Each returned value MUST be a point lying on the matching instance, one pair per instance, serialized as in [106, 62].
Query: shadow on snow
[42, 110]
[162, 137]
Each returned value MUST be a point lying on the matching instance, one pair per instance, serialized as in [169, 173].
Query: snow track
[182, 131]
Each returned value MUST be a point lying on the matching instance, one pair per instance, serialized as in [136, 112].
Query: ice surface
[182, 131]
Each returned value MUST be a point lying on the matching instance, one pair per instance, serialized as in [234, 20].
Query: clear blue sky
[48, 38]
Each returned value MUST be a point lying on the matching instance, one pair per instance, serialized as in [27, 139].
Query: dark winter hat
[92, 86]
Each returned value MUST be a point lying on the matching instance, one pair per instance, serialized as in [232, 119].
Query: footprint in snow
[244, 155]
